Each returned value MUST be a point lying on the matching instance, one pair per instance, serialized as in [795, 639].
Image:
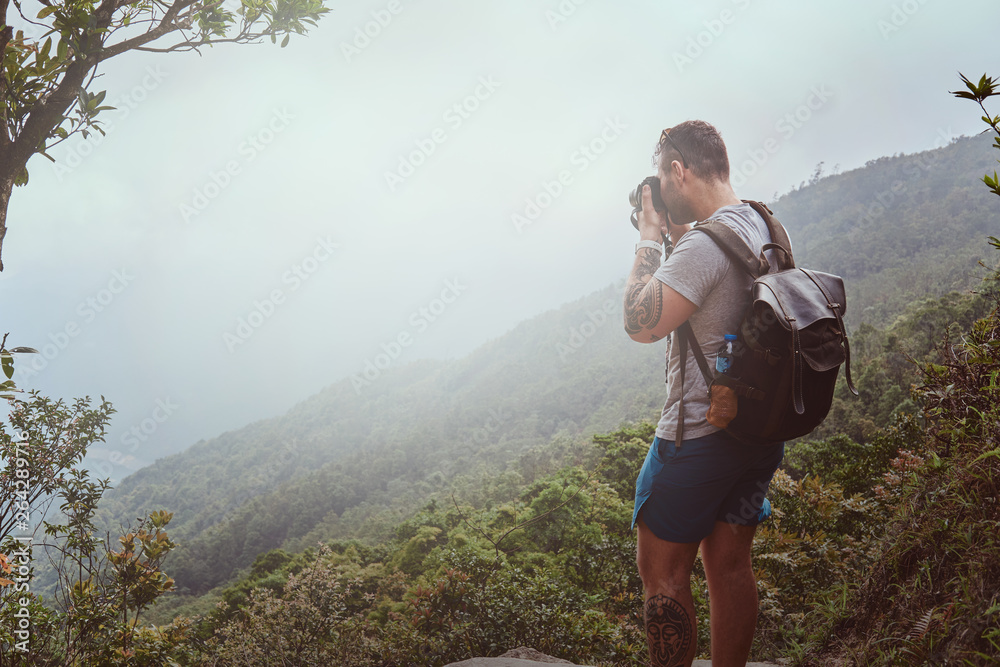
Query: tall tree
[45, 83]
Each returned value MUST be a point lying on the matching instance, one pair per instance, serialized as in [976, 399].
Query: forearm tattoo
[643, 306]
[669, 631]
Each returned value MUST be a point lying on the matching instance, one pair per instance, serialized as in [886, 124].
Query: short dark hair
[704, 151]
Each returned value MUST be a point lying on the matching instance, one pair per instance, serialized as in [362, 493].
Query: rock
[525, 653]
[516, 657]
[708, 663]
[505, 662]
[529, 657]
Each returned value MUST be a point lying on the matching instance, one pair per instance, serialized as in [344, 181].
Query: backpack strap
[687, 332]
[739, 252]
[682, 342]
[779, 237]
[736, 249]
[685, 336]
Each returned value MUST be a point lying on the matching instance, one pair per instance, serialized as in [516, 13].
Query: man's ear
[677, 170]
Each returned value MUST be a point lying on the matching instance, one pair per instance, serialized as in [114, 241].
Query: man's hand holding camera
[652, 222]
[652, 310]
[650, 215]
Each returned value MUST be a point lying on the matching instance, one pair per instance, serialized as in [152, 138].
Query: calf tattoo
[669, 631]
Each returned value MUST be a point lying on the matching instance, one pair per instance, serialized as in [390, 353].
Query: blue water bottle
[724, 360]
[723, 403]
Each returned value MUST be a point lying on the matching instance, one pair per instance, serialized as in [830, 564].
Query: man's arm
[653, 310]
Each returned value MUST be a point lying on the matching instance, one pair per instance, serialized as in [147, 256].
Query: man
[707, 491]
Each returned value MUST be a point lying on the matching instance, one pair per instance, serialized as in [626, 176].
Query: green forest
[345, 465]
[462, 508]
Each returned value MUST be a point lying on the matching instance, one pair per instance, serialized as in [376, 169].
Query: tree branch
[193, 46]
[49, 111]
[45, 95]
[164, 27]
[6, 33]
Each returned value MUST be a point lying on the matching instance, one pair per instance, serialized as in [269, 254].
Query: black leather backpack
[790, 344]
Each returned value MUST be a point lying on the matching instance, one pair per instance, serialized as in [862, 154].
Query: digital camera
[635, 199]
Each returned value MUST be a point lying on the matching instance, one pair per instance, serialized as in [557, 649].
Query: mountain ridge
[347, 454]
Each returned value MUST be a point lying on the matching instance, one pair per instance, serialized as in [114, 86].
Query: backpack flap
[801, 297]
[810, 305]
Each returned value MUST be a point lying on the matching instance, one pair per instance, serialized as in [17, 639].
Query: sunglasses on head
[665, 137]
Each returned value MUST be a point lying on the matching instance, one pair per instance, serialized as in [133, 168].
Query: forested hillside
[567, 373]
[901, 229]
[879, 551]
[349, 463]
[455, 509]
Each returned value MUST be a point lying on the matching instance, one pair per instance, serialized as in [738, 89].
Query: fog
[415, 177]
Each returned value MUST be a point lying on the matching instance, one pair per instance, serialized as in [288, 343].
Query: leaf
[284, 42]
[8, 366]
[987, 87]
[993, 453]
[46, 11]
[922, 626]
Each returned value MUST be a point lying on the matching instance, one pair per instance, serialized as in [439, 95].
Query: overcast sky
[415, 177]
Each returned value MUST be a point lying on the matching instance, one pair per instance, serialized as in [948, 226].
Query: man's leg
[668, 612]
[732, 592]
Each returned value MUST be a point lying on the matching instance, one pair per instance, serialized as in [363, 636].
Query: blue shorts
[683, 492]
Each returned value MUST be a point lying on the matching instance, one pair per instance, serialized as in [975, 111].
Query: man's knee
[661, 576]
[664, 567]
[728, 548]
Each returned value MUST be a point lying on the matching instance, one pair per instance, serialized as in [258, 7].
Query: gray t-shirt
[701, 272]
